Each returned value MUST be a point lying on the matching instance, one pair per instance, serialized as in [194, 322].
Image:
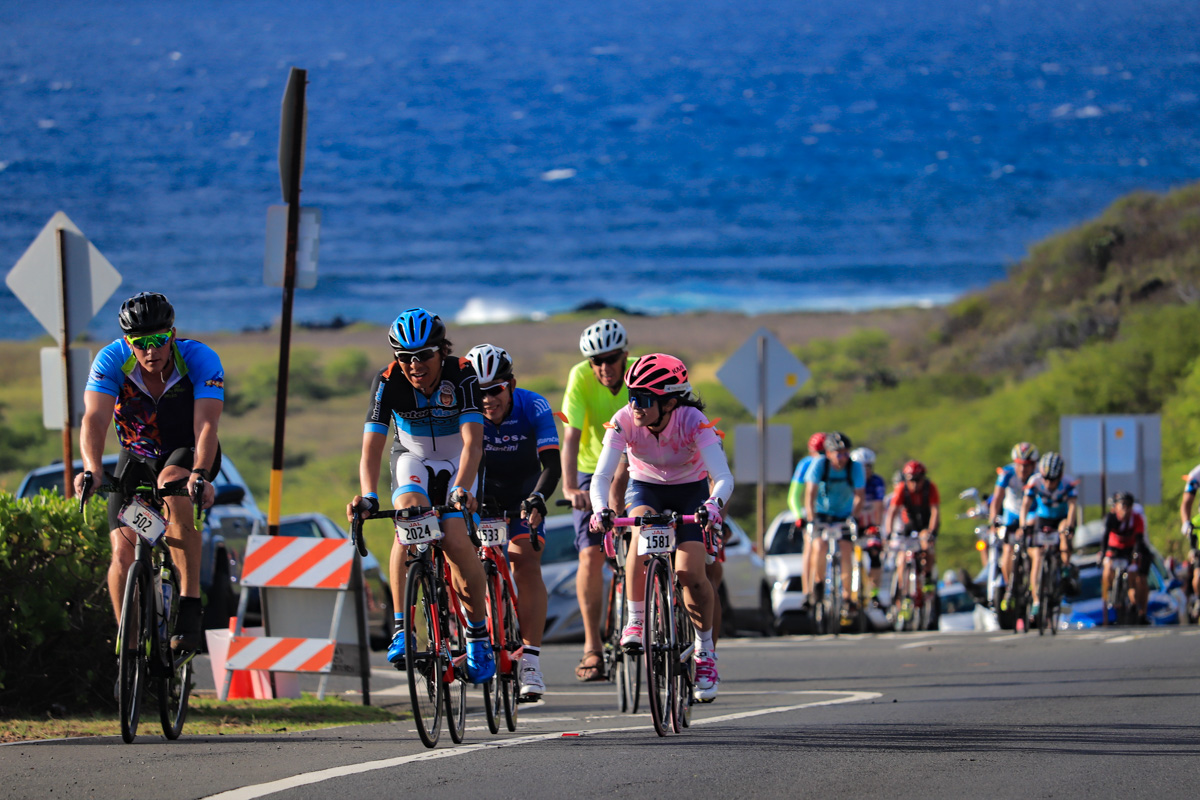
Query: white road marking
[307, 779]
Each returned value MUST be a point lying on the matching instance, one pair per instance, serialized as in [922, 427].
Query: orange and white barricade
[297, 577]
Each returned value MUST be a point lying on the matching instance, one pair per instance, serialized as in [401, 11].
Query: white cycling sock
[637, 610]
[704, 641]
[531, 658]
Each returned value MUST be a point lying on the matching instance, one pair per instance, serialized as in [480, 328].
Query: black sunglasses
[643, 399]
[603, 361]
[419, 357]
[492, 391]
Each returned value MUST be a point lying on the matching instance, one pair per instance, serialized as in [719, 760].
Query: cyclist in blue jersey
[1051, 495]
[522, 470]
[1188, 530]
[165, 396]
[433, 401]
[1005, 509]
[870, 516]
[833, 495]
[796, 491]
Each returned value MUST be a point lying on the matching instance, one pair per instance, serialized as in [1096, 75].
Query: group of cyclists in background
[635, 441]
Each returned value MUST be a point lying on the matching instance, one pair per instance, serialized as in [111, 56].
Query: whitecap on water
[478, 311]
[558, 174]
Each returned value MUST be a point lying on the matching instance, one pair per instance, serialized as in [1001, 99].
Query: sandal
[590, 673]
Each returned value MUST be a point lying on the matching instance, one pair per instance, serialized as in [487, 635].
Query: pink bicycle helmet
[658, 373]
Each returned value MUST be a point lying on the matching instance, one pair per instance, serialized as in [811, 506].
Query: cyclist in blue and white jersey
[1005, 508]
[796, 491]
[833, 494]
[522, 469]
[870, 516]
[433, 401]
[1052, 496]
[165, 396]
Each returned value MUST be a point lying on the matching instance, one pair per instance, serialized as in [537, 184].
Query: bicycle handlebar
[405, 513]
[652, 519]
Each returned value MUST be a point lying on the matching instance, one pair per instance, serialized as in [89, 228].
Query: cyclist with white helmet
[1004, 513]
[870, 516]
[522, 470]
[595, 391]
[432, 399]
[673, 451]
[1049, 508]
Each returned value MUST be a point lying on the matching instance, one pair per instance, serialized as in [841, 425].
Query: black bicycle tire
[512, 679]
[424, 665]
[175, 688]
[685, 671]
[834, 592]
[614, 656]
[656, 641]
[131, 666]
[455, 691]
[492, 690]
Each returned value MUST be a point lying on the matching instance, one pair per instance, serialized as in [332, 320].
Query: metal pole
[289, 287]
[762, 445]
[68, 454]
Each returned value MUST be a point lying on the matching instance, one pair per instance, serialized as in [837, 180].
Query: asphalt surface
[1101, 714]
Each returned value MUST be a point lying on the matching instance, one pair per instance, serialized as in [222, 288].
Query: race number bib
[492, 532]
[143, 519]
[418, 530]
[656, 539]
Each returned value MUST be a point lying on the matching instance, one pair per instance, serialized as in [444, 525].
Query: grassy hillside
[1099, 319]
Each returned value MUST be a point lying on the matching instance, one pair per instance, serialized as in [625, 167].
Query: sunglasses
[419, 357]
[149, 341]
[643, 399]
[604, 361]
[493, 391]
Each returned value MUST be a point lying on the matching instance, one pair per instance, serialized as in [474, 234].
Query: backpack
[849, 472]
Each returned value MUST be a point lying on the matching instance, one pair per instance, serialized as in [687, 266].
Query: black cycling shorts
[150, 469]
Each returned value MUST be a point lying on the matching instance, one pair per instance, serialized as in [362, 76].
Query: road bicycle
[1050, 590]
[1117, 602]
[669, 645]
[624, 671]
[912, 606]
[503, 690]
[828, 610]
[435, 639]
[150, 605]
[1019, 595]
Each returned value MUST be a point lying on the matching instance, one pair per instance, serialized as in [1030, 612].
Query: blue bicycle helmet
[416, 328]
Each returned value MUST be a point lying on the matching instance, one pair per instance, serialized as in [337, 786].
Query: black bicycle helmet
[1123, 499]
[146, 312]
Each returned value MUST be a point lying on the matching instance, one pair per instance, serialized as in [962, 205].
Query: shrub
[57, 629]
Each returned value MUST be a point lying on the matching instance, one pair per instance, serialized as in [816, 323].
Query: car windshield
[787, 539]
[957, 602]
[49, 480]
[1089, 585]
[560, 541]
[301, 527]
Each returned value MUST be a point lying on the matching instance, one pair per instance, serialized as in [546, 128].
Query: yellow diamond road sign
[781, 374]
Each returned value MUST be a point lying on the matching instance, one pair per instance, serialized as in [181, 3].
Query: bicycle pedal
[633, 649]
[529, 698]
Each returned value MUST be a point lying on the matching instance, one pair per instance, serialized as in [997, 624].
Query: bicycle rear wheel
[833, 596]
[510, 682]
[456, 690]
[684, 670]
[658, 650]
[132, 641]
[495, 619]
[614, 657]
[174, 689]
[424, 663]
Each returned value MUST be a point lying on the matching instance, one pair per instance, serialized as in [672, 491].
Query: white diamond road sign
[784, 373]
[91, 280]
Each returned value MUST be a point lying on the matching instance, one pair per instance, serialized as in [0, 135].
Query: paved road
[1106, 714]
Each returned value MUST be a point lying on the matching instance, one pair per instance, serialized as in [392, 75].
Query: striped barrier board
[282, 654]
[297, 562]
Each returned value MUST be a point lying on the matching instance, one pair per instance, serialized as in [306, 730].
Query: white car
[784, 565]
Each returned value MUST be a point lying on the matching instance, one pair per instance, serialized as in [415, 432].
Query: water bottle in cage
[165, 598]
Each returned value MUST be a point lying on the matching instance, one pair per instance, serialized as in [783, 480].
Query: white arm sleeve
[718, 471]
[606, 467]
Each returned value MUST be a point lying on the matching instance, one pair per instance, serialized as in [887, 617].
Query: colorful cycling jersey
[156, 428]
[671, 457]
[796, 488]
[428, 427]
[918, 506]
[835, 489]
[1123, 534]
[1007, 481]
[512, 447]
[874, 493]
[587, 406]
[1193, 481]
[1052, 505]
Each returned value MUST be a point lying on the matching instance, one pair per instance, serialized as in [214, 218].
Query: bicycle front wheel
[657, 634]
[456, 690]
[510, 680]
[833, 596]
[614, 657]
[491, 689]
[132, 641]
[174, 689]
[683, 670]
[424, 663]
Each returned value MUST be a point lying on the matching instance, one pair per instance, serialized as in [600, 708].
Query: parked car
[229, 523]
[957, 605]
[378, 594]
[784, 566]
[744, 593]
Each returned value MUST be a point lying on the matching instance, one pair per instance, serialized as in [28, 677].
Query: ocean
[495, 160]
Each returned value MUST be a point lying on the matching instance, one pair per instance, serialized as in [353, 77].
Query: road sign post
[63, 280]
[763, 375]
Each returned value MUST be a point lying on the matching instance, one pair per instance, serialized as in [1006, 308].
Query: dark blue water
[530, 155]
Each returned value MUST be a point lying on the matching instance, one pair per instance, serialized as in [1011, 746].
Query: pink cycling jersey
[673, 456]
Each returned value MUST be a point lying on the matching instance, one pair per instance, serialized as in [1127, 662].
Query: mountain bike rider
[833, 494]
[165, 396]
[917, 496]
[870, 516]
[595, 391]
[433, 400]
[523, 468]
[672, 450]
[1186, 527]
[1052, 494]
[816, 446]
[1005, 508]
[1125, 540]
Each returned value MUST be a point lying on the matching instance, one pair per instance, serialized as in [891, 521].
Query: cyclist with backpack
[833, 494]
[1049, 512]
[1125, 541]
[917, 497]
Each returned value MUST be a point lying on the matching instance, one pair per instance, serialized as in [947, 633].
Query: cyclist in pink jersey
[672, 450]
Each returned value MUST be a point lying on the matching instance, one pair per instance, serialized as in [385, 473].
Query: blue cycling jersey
[875, 490]
[149, 427]
[802, 469]
[1051, 504]
[1014, 493]
[511, 464]
[835, 491]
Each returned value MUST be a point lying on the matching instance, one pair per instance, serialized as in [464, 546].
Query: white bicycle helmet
[604, 336]
[864, 456]
[491, 363]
